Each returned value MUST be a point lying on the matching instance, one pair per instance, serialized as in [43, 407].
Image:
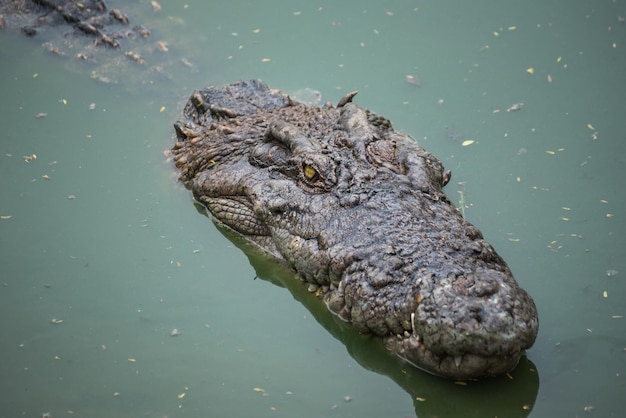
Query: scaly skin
[357, 209]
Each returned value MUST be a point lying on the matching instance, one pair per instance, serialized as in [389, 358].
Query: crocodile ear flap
[290, 136]
[282, 142]
[270, 154]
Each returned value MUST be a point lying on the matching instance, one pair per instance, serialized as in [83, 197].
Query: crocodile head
[357, 209]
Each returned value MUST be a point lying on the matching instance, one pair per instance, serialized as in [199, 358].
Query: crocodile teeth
[458, 360]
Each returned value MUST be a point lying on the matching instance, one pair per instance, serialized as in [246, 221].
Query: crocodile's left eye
[309, 172]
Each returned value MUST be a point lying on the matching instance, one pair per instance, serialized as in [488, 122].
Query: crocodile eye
[309, 172]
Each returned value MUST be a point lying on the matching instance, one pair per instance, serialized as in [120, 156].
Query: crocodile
[107, 43]
[357, 209]
[88, 18]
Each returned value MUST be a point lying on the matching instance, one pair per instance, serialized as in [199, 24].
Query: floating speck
[413, 79]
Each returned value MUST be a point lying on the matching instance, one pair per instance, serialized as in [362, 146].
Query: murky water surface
[104, 254]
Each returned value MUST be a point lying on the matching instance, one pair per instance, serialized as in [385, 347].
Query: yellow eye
[309, 172]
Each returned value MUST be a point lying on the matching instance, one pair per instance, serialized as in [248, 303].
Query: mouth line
[410, 347]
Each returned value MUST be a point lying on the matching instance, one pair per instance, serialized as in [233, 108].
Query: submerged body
[357, 209]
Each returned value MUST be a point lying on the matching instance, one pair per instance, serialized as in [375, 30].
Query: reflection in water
[512, 395]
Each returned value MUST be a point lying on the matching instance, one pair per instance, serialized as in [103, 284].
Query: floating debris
[119, 16]
[611, 273]
[515, 107]
[162, 46]
[413, 79]
[135, 57]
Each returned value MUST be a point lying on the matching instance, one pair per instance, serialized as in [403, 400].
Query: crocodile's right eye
[316, 173]
[309, 172]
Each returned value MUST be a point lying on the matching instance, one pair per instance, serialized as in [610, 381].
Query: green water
[98, 236]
